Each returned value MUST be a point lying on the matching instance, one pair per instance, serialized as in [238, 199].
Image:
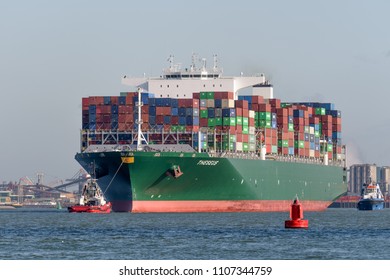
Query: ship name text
[208, 162]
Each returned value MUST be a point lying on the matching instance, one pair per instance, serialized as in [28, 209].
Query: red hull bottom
[214, 206]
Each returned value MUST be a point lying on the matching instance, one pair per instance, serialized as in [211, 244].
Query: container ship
[189, 141]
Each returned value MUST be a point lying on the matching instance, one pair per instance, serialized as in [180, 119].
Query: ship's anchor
[175, 171]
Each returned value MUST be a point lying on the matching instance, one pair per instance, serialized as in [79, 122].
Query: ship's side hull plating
[186, 182]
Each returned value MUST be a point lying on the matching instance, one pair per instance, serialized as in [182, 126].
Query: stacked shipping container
[243, 125]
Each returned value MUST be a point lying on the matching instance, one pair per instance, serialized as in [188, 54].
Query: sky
[53, 53]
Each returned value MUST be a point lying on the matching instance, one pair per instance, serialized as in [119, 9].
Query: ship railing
[277, 157]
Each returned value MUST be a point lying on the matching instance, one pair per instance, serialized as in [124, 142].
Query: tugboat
[92, 200]
[371, 197]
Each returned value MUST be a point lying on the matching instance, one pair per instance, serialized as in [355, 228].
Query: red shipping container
[239, 112]
[241, 104]
[231, 129]
[227, 95]
[145, 126]
[274, 102]
[91, 100]
[251, 122]
[196, 95]
[282, 112]
[107, 118]
[203, 122]
[238, 129]
[255, 107]
[174, 120]
[194, 128]
[121, 118]
[218, 95]
[239, 137]
[85, 102]
[159, 111]
[193, 103]
[282, 120]
[99, 100]
[245, 138]
[181, 102]
[314, 120]
[106, 125]
[121, 109]
[99, 118]
[257, 99]
[122, 126]
[114, 100]
[245, 113]
[129, 118]
[144, 109]
[336, 120]
[336, 127]
[326, 119]
[129, 99]
[167, 127]
[264, 108]
[159, 119]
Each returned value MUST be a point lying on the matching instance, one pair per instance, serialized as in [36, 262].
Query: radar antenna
[171, 61]
[215, 66]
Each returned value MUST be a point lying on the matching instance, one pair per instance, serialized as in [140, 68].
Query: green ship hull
[198, 182]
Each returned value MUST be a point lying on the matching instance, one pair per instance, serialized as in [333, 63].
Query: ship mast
[140, 136]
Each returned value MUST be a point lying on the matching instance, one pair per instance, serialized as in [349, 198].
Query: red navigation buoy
[296, 215]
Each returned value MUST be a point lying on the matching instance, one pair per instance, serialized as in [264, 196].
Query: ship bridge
[182, 83]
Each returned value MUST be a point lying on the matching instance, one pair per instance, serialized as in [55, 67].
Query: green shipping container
[203, 114]
[203, 95]
[264, 123]
[283, 143]
[265, 116]
[210, 95]
[211, 122]
[238, 120]
[229, 121]
[320, 111]
[227, 138]
[218, 121]
[300, 144]
[228, 146]
[245, 129]
[245, 147]
[245, 121]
